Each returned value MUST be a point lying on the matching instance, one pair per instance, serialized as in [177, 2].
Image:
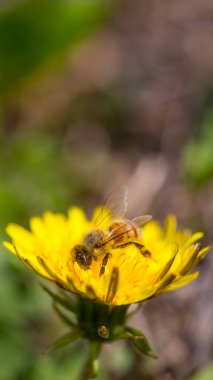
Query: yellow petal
[182, 281]
[20, 235]
[170, 226]
[10, 247]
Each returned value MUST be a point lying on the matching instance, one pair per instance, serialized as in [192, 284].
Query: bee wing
[132, 224]
[115, 206]
[141, 220]
[117, 201]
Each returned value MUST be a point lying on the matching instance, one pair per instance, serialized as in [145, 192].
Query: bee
[121, 233]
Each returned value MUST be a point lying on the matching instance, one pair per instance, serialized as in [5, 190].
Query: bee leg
[104, 263]
[143, 250]
[140, 246]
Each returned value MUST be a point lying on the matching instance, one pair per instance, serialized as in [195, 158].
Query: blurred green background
[94, 93]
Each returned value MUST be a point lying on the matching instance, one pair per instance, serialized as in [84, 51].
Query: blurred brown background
[94, 94]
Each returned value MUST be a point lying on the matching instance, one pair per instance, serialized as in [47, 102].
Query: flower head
[160, 260]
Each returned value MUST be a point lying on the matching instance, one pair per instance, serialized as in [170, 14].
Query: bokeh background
[95, 93]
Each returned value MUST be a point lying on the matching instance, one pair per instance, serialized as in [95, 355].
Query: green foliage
[49, 369]
[121, 359]
[204, 374]
[36, 175]
[198, 157]
[12, 345]
[35, 31]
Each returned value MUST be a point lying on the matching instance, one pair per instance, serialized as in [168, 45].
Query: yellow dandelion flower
[125, 269]
[107, 259]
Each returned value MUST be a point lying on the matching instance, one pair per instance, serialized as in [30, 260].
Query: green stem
[92, 365]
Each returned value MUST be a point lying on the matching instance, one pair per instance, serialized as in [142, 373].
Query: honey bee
[121, 233]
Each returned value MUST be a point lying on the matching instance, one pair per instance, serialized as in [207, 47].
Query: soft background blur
[95, 93]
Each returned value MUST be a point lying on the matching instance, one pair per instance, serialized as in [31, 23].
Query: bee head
[82, 256]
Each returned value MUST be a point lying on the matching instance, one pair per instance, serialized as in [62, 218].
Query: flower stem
[92, 365]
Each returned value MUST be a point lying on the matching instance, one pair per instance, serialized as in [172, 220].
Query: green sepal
[122, 335]
[62, 316]
[139, 341]
[63, 341]
[118, 314]
[64, 301]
